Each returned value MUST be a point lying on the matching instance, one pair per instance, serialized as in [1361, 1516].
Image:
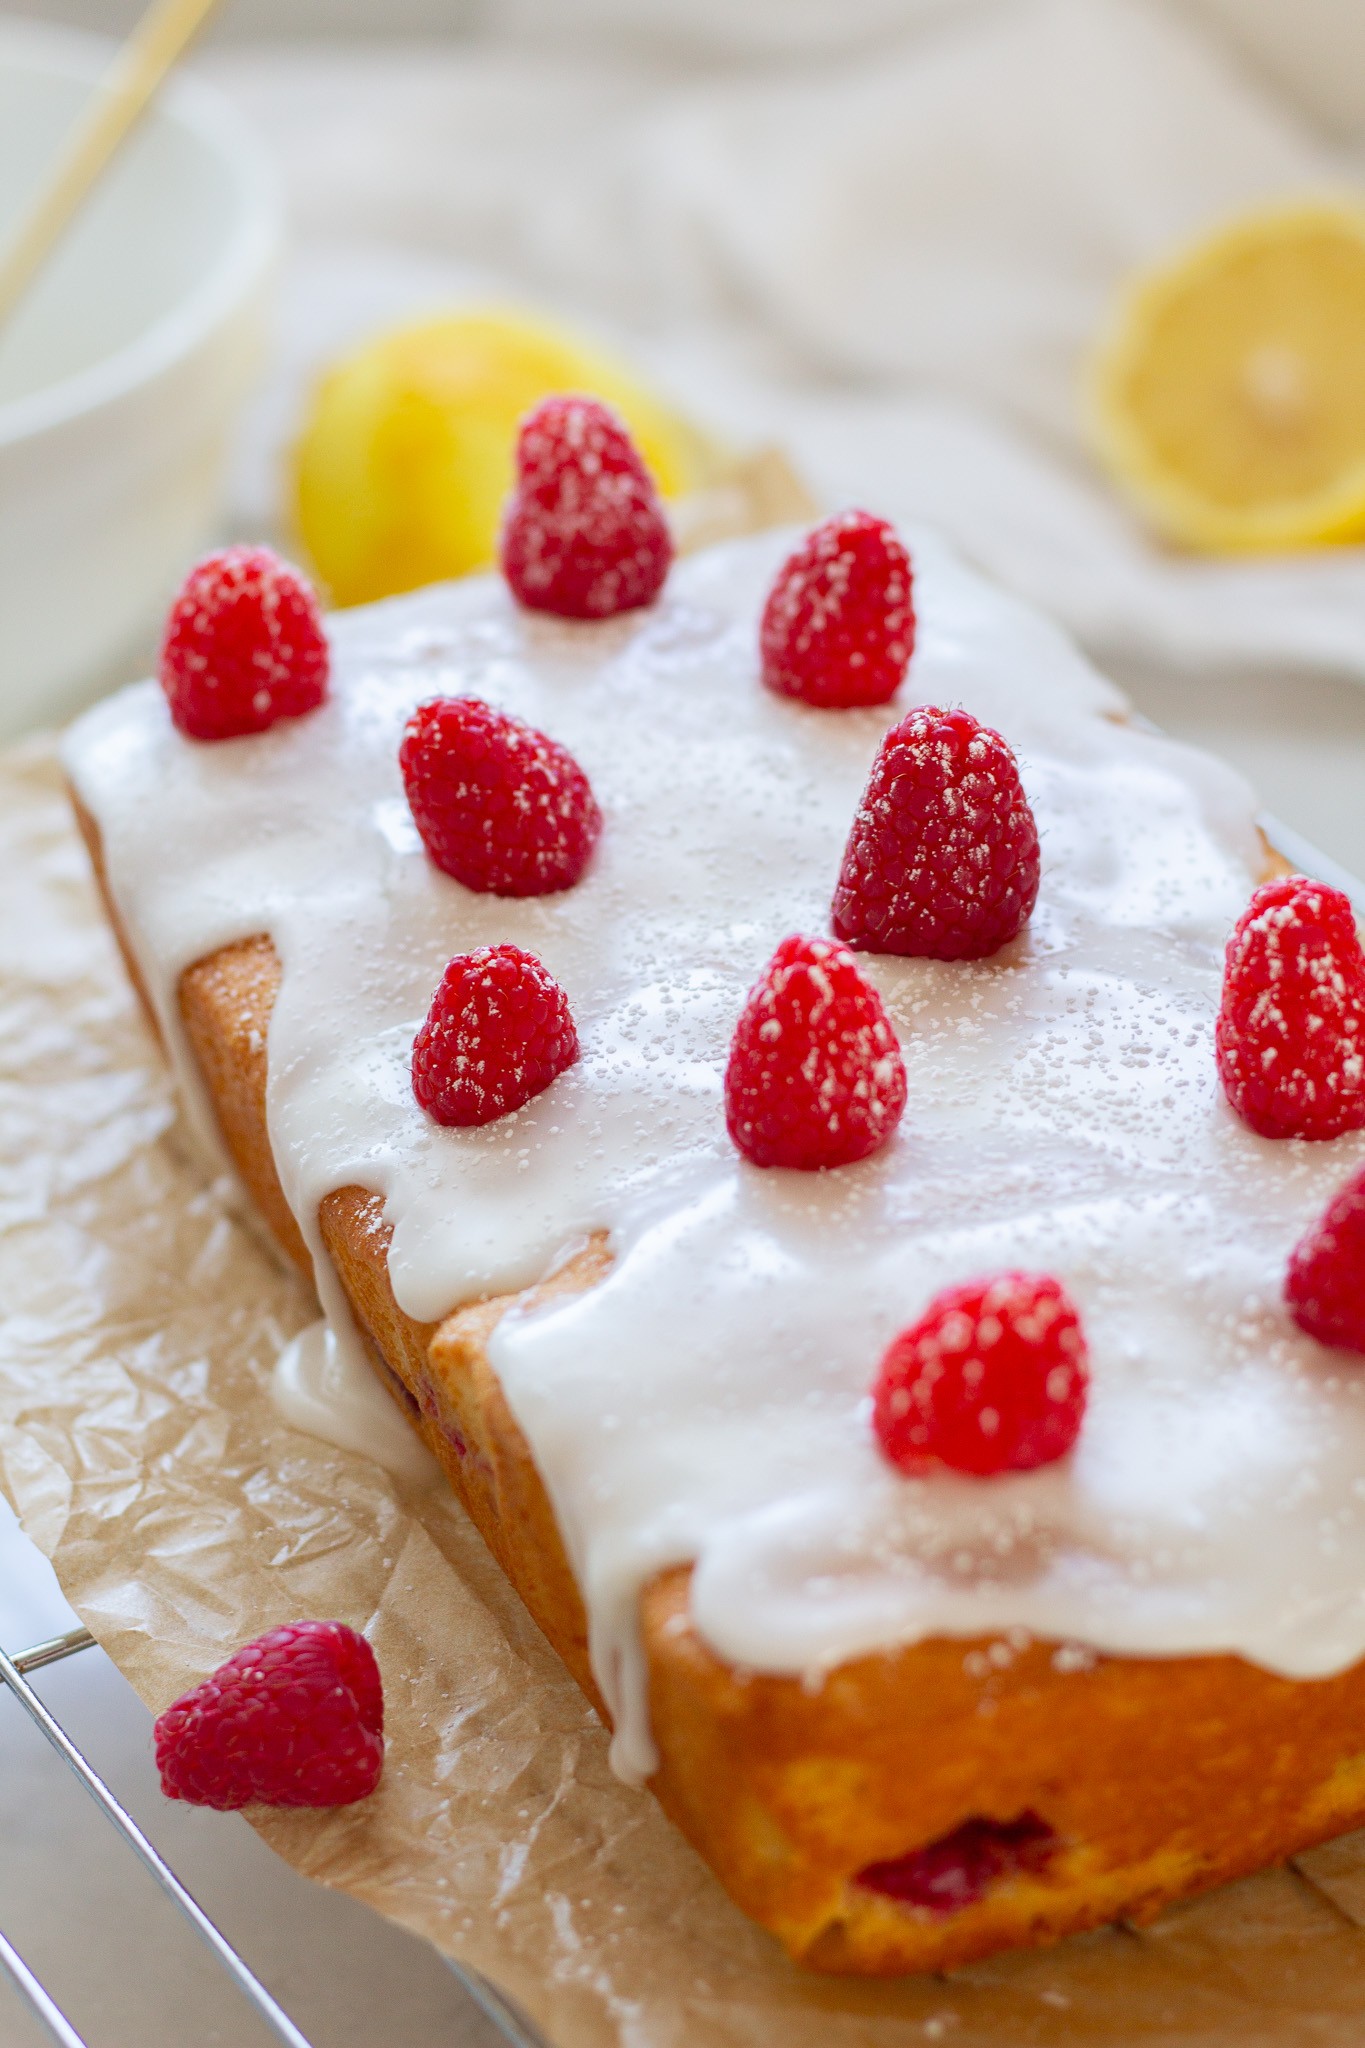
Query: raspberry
[243, 646]
[1325, 1284]
[584, 534]
[500, 806]
[942, 861]
[1291, 1025]
[499, 1030]
[992, 1378]
[839, 626]
[960, 1868]
[815, 1076]
[294, 1719]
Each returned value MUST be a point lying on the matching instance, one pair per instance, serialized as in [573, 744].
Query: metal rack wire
[514, 2027]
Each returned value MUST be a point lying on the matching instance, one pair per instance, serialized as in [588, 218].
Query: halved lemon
[1228, 397]
[406, 455]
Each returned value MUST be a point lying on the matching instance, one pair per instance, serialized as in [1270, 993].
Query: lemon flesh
[405, 458]
[1229, 397]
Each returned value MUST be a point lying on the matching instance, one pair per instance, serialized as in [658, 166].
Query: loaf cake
[907, 1720]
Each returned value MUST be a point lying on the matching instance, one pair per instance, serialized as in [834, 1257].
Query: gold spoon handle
[119, 101]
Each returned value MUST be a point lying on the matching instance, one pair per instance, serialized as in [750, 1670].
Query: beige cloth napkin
[888, 248]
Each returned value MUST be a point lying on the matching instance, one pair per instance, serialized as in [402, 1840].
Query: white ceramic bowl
[121, 371]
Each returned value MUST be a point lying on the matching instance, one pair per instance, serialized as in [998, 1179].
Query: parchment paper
[139, 1447]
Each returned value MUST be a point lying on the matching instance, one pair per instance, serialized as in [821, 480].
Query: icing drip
[332, 1392]
[708, 1401]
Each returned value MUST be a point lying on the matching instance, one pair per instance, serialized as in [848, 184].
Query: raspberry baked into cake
[843, 1151]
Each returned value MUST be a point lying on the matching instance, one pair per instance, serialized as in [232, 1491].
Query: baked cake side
[877, 1701]
[1155, 1778]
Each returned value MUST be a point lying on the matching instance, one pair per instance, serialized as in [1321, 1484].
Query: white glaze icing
[708, 1401]
[329, 1391]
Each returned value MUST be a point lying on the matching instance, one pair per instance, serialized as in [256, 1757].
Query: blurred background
[883, 235]
[252, 18]
[1312, 50]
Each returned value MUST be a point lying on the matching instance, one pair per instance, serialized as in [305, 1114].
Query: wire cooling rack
[512, 2025]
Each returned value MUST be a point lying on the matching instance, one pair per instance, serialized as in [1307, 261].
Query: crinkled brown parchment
[140, 1449]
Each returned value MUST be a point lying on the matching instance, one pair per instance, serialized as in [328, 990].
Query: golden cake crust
[1160, 1777]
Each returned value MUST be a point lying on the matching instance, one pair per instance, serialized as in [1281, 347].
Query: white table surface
[1300, 741]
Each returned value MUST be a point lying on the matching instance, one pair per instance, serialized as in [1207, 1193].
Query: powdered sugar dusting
[1064, 1115]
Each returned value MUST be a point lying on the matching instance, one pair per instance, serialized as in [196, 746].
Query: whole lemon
[406, 455]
